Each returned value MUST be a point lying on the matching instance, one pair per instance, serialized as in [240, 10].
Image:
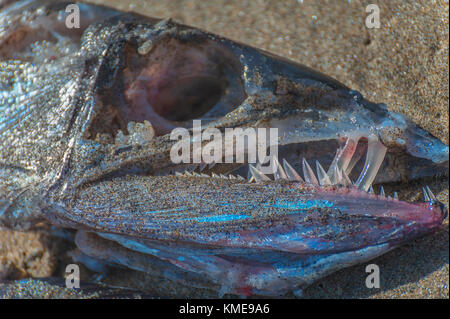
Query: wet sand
[404, 64]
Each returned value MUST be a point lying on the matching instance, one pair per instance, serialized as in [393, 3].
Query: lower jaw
[253, 273]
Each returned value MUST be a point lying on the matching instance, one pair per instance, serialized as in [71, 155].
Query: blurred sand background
[404, 64]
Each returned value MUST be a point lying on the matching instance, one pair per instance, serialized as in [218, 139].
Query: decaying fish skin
[85, 122]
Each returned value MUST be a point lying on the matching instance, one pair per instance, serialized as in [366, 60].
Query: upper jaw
[402, 149]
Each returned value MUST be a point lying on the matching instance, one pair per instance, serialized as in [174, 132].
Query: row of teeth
[337, 174]
[287, 172]
[341, 166]
[187, 169]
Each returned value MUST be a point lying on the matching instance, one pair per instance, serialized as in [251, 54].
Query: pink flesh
[161, 89]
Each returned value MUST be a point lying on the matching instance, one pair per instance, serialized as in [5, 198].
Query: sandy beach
[404, 64]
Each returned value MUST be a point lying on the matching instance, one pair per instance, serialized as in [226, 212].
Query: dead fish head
[130, 81]
[170, 74]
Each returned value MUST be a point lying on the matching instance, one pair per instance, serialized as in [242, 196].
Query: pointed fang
[345, 179]
[375, 155]
[322, 175]
[334, 163]
[291, 173]
[308, 173]
[279, 172]
[337, 176]
[257, 174]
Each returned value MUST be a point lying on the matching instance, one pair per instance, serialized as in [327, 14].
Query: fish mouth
[335, 186]
[330, 197]
[359, 225]
[168, 81]
[362, 161]
[316, 223]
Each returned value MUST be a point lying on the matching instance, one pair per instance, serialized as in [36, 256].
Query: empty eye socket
[180, 81]
[184, 81]
[187, 97]
[174, 83]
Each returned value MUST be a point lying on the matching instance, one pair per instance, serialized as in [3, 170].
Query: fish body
[86, 116]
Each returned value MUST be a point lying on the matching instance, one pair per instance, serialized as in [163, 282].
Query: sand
[404, 64]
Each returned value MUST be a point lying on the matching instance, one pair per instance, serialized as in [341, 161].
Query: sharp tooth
[257, 174]
[291, 172]
[334, 163]
[223, 176]
[395, 195]
[196, 174]
[186, 173]
[239, 177]
[370, 191]
[204, 175]
[231, 177]
[426, 197]
[309, 174]
[430, 193]
[214, 175]
[322, 175]
[178, 174]
[375, 155]
[279, 172]
[345, 179]
[382, 193]
[337, 176]
[343, 157]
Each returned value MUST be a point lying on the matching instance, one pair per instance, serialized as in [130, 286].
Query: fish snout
[412, 152]
[428, 155]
